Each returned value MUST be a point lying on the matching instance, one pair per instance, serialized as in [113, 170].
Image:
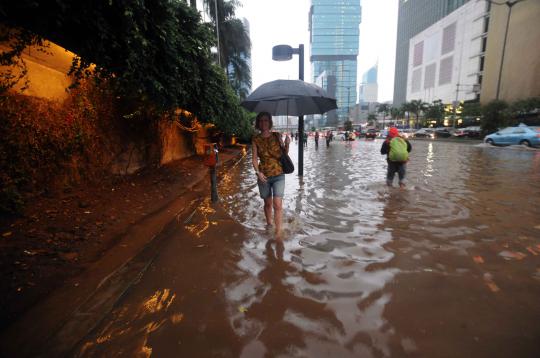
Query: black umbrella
[289, 97]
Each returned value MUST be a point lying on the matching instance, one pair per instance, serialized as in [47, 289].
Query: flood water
[449, 267]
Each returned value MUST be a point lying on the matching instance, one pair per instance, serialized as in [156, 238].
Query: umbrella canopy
[289, 97]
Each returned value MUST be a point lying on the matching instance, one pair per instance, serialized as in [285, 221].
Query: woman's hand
[261, 177]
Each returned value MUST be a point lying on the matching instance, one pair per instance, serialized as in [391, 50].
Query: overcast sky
[286, 22]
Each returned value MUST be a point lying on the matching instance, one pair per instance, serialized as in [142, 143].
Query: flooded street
[449, 267]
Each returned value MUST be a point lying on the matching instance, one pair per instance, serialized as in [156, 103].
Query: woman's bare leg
[278, 213]
[268, 210]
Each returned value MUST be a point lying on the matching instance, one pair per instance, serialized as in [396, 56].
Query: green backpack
[398, 150]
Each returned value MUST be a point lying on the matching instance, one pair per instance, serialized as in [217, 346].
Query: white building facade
[446, 59]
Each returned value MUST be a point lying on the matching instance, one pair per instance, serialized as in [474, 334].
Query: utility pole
[217, 31]
[455, 106]
[510, 5]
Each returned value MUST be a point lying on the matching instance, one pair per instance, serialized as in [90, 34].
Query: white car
[424, 133]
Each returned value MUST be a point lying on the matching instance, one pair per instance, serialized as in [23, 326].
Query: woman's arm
[255, 161]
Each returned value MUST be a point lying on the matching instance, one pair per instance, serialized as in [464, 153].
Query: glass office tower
[334, 41]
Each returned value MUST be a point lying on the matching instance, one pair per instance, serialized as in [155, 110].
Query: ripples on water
[349, 238]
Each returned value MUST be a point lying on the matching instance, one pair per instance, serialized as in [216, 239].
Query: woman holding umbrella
[266, 149]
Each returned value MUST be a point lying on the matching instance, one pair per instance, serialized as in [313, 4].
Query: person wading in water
[397, 151]
[266, 149]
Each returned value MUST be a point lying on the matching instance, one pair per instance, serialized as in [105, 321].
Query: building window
[416, 84]
[429, 76]
[445, 70]
[484, 44]
[482, 63]
[418, 54]
[449, 39]
[486, 24]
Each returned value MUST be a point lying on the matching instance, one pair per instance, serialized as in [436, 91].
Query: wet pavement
[449, 267]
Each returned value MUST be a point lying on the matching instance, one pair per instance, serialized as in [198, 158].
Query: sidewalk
[94, 245]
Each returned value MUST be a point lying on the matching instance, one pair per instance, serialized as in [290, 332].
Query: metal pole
[510, 4]
[348, 101]
[301, 118]
[217, 30]
[455, 105]
[213, 184]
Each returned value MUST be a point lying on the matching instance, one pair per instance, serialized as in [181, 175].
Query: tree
[406, 108]
[396, 113]
[155, 55]
[495, 115]
[383, 108]
[348, 125]
[371, 119]
[234, 44]
[435, 111]
[523, 108]
[417, 106]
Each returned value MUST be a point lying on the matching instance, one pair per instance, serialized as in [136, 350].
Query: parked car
[522, 134]
[407, 133]
[470, 132]
[442, 132]
[371, 134]
[424, 133]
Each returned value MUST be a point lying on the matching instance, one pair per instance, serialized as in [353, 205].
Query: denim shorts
[274, 187]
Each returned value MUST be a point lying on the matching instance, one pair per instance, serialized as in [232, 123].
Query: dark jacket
[385, 149]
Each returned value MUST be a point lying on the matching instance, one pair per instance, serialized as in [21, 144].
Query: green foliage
[383, 108]
[522, 108]
[435, 111]
[471, 109]
[396, 113]
[41, 140]
[415, 107]
[348, 126]
[495, 115]
[234, 44]
[13, 68]
[154, 54]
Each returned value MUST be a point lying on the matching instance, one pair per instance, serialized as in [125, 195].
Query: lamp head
[282, 53]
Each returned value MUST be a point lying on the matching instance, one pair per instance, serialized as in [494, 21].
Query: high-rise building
[334, 42]
[368, 89]
[518, 75]
[446, 59]
[415, 16]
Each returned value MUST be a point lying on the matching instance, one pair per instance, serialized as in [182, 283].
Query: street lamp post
[284, 53]
[510, 4]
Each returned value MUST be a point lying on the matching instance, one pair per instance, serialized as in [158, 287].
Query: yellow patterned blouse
[269, 152]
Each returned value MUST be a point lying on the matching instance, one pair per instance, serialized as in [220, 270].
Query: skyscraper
[415, 16]
[334, 41]
[369, 87]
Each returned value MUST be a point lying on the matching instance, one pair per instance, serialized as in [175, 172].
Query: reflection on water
[449, 267]
[372, 271]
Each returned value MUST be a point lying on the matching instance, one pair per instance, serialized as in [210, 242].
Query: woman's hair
[258, 120]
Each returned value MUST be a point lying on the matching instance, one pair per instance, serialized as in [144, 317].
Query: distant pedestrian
[316, 140]
[266, 149]
[328, 138]
[397, 151]
[305, 139]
